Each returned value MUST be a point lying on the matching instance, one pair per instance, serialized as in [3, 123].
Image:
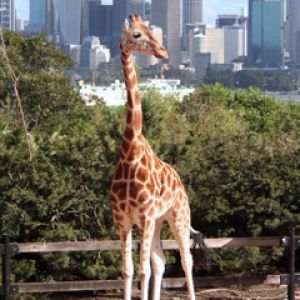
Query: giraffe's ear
[126, 26]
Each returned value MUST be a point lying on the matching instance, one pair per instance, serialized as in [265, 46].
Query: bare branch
[15, 80]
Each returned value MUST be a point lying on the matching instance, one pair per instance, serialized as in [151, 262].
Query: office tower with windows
[166, 15]
[37, 21]
[136, 7]
[70, 21]
[100, 22]
[192, 13]
[7, 14]
[265, 48]
[230, 20]
[93, 53]
[52, 20]
[119, 14]
[292, 30]
[86, 17]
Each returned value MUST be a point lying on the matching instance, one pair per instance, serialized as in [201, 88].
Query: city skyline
[212, 8]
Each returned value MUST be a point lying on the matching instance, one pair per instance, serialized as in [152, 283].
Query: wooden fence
[8, 250]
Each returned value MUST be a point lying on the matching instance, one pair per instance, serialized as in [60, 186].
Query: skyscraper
[7, 14]
[100, 22]
[265, 33]
[166, 15]
[86, 17]
[136, 6]
[192, 13]
[37, 16]
[70, 21]
[52, 20]
[230, 20]
[292, 30]
[119, 14]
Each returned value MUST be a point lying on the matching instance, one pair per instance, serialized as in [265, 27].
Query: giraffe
[146, 191]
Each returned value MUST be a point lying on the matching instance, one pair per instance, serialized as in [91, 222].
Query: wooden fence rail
[7, 250]
[18, 248]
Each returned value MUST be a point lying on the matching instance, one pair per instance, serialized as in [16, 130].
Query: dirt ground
[260, 292]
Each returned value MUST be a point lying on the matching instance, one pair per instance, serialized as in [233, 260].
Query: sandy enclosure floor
[260, 292]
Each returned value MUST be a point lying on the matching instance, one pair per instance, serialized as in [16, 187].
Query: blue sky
[214, 7]
[211, 8]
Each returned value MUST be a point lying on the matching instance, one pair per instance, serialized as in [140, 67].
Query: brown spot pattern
[129, 100]
[129, 133]
[142, 174]
[119, 171]
[125, 146]
[134, 189]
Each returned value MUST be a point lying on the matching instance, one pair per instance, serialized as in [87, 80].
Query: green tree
[225, 77]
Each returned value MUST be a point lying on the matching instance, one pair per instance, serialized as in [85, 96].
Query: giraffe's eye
[137, 35]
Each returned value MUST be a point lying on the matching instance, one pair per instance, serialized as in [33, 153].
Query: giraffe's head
[137, 36]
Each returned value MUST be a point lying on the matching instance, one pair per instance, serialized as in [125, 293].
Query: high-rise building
[20, 26]
[166, 15]
[100, 22]
[136, 7]
[7, 14]
[192, 13]
[86, 17]
[70, 21]
[37, 18]
[222, 45]
[119, 14]
[93, 53]
[230, 20]
[212, 41]
[235, 36]
[52, 20]
[147, 11]
[99, 54]
[292, 30]
[73, 51]
[235, 42]
[266, 33]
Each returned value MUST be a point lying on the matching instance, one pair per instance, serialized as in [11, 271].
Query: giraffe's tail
[199, 251]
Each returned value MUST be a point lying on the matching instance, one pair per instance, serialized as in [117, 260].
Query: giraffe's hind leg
[158, 261]
[179, 221]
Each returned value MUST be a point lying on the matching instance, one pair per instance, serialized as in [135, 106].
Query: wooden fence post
[291, 286]
[5, 268]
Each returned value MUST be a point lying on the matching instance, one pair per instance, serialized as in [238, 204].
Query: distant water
[285, 97]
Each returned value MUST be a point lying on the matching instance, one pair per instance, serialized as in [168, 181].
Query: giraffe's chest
[143, 188]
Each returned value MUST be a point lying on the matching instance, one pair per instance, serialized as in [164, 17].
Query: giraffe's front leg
[145, 267]
[127, 264]
[158, 261]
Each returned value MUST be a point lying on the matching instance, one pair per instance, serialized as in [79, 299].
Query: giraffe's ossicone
[145, 191]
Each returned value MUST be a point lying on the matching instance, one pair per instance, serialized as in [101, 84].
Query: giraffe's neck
[134, 119]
